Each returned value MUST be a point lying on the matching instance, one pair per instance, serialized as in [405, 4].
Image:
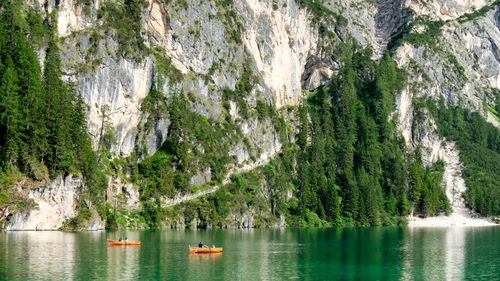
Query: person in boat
[120, 239]
[200, 245]
[126, 239]
[213, 246]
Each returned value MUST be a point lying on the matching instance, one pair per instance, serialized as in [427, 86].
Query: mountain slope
[322, 107]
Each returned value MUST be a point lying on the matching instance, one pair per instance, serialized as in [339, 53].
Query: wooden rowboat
[123, 243]
[197, 250]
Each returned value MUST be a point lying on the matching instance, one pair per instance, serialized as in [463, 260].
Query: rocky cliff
[54, 203]
[204, 48]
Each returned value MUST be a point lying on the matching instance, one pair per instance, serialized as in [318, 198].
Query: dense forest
[43, 127]
[345, 164]
[358, 168]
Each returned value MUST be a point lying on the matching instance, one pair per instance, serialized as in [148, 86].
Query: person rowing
[200, 245]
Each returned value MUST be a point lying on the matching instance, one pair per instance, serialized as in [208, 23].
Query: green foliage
[39, 123]
[61, 124]
[311, 219]
[479, 13]
[9, 195]
[193, 143]
[38, 31]
[264, 110]
[86, 5]
[428, 37]
[348, 167]
[426, 193]
[106, 134]
[432, 28]
[321, 12]
[493, 111]
[316, 7]
[26, 205]
[243, 88]
[125, 19]
[457, 67]
[227, 14]
[79, 221]
[240, 195]
[165, 67]
[496, 111]
[353, 168]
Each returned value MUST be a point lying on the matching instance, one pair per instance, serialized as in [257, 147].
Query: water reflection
[42, 255]
[455, 253]
[265, 254]
[90, 253]
[122, 262]
[213, 256]
[435, 253]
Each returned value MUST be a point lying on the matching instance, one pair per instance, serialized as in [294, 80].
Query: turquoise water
[265, 254]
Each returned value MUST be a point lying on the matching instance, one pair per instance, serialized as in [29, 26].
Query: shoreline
[442, 221]
[453, 220]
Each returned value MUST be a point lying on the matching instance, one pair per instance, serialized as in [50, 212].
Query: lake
[385, 253]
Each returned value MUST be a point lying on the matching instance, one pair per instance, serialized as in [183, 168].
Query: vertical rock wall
[55, 203]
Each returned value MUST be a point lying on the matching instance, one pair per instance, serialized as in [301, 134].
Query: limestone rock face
[466, 68]
[391, 16]
[447, 9]
[195, 42]
[317, 73]
[121, 85]
[54, 204]
[279, 52]
[118, 187]
[70, 18]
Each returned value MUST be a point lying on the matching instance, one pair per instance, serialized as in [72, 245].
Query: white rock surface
[280, 52]
[70, 18]
[118, 187]
[122, 87]
[447, 9]
[474, 45]
[56, 204]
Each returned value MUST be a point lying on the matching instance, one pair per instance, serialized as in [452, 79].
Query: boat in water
[123, 243]
[205, 250]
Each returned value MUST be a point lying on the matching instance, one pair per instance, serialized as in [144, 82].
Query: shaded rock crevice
[390, 19]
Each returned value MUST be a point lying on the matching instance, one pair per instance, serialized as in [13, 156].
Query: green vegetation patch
[322, 13]
[493, 111]
[243, 88]
[227, 14]
[354, 170]
[479, 13]
[428, 37]
[125, 19]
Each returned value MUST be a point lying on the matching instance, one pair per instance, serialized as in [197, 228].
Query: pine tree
[304, 131]
[497, 103]
[56, 100]
[345, 99]
[387, 83]
[10, 116]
